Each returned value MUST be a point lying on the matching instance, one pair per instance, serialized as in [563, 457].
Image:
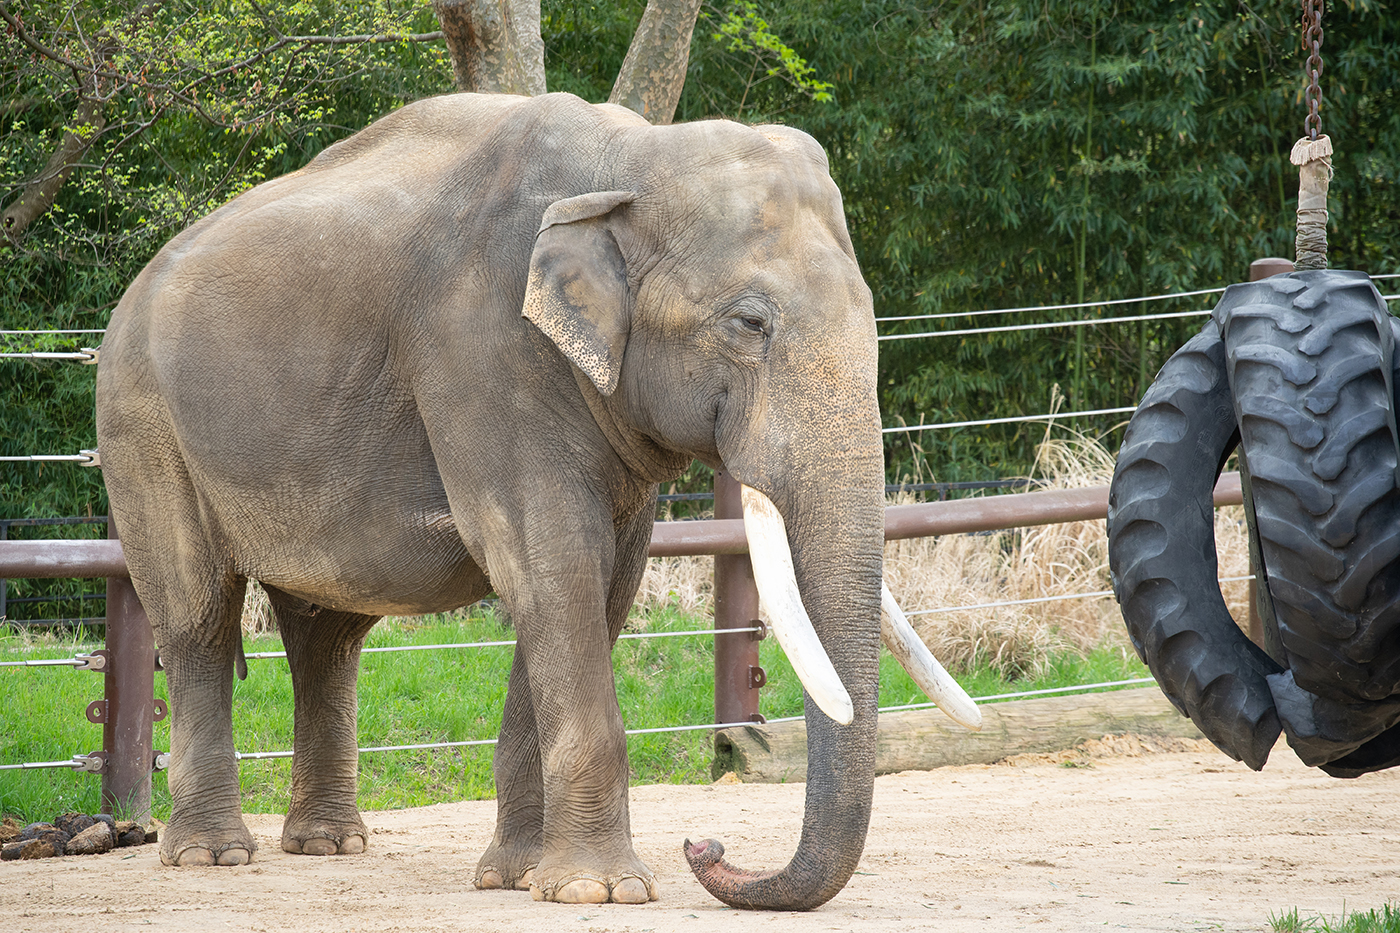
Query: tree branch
[98, 83]
[368, 39]
[495, 44]
[38, 196]
[653, 73]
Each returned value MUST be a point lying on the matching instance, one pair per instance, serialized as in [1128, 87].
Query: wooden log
[918, 740]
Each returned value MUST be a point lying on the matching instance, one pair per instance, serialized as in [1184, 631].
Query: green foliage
[994, 154]
[202, 102]
[585, 43]
[1386, 920]
[1015, 153]
[742, 31]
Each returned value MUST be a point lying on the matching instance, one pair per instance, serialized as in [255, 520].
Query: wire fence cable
[1080, 304]
[1044, 325]
[1051, 416]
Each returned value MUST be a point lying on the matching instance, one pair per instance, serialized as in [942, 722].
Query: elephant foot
[489, 879]
[510, 868]
[204, 849]
[324, 837]
[632, 884]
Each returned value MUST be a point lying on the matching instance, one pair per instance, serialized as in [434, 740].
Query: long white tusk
[777, 590]
[904, 643]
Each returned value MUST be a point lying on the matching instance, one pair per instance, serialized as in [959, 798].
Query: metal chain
[1312, 43]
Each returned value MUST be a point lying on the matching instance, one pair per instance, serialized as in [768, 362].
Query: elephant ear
[577, 290]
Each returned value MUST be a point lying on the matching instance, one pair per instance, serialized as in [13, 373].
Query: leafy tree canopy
[991, 154]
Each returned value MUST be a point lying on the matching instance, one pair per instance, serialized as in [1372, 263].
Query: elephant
[455, 354]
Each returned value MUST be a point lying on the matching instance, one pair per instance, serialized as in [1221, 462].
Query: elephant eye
[753, 323]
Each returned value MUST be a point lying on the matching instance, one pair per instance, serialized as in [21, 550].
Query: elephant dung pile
[70, 834]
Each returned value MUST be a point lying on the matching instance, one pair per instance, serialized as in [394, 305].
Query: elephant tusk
[906, 645]
[777, 591]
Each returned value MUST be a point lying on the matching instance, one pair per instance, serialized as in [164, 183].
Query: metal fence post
[738, 675]
[130, 706]
[4, 582]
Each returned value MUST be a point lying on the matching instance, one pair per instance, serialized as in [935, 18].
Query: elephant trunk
[836, 539]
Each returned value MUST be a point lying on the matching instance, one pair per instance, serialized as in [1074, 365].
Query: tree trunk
[495, 45]
[919, 740]
[653, 73]
[39, 195]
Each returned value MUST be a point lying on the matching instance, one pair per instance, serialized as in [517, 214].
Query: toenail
[235, 857]
[583, 891]
[631, 891]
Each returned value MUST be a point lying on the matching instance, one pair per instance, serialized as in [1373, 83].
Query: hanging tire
[1162, 554]
[1311, 363]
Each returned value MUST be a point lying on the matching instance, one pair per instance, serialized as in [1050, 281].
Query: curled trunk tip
[728, 883]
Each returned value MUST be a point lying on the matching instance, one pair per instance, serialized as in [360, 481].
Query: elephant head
[713, 308]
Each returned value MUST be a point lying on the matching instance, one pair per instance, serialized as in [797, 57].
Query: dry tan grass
[1029, 563]
[257, 611]
[683, 583]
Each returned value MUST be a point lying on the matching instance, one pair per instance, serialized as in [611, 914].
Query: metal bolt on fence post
[738, 675]
[130, 694]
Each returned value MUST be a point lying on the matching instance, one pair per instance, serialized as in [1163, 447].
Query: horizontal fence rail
[103, 558]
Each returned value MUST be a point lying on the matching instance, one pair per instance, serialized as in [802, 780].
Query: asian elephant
[456, 353]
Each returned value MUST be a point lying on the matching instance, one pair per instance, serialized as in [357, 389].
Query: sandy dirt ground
[1111, 836]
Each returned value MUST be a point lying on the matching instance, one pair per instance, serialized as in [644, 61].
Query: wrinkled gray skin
[376, 386]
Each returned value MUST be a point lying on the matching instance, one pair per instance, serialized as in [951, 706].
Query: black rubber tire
[1310, 358]
[1383, 751]
[1162, 554]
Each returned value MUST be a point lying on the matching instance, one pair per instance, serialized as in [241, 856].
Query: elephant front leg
[515, 850]
[323, 651]
[562, 828]
[587, 856]
[518, 845]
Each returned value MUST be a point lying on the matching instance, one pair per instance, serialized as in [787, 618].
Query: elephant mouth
[781, 599]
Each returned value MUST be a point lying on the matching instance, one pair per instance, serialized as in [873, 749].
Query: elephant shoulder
[793, 141]
[449, 122]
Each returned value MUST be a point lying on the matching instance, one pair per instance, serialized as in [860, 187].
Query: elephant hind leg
[323, 652]
[193, 595]
[206, 823]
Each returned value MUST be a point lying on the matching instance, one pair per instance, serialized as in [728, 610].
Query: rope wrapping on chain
[1314, 161]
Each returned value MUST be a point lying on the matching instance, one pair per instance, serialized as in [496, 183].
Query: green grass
[1386, 920]
[421, 697]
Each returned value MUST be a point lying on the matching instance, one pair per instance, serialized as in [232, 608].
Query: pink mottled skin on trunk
[720, 878]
